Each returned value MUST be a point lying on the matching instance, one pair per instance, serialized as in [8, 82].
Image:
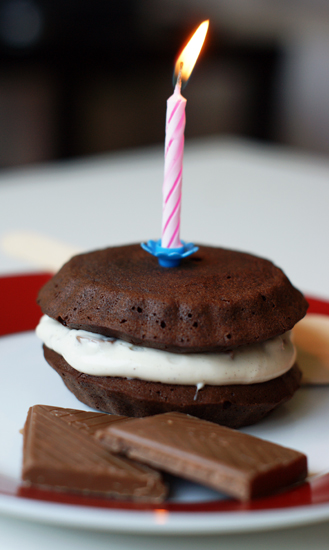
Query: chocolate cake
[217, 301]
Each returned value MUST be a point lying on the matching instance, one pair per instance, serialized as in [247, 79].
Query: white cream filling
[99, 355]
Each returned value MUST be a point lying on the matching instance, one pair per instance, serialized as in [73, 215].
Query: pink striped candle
[174, 143]
[169, 249]
[173, 170]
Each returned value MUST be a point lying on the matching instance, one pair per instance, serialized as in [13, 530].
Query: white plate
[26, 379]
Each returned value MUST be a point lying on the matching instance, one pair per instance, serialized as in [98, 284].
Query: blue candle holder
[169, 257]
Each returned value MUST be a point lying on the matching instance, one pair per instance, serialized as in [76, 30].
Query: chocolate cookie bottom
[233, 406]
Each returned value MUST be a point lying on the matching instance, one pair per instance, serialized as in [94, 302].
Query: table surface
[265, 200]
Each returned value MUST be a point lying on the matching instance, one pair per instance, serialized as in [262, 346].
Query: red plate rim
[21, 313]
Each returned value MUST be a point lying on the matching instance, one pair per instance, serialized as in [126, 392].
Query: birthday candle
[174, 142]
[173, 171]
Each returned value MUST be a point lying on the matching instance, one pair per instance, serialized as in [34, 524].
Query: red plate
[21, 313]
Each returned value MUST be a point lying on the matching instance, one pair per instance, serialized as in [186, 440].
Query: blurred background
[82, 78]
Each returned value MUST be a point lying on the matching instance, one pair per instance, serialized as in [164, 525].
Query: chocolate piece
[84, 421]
[240, 465]
[60, 452]
[234, 406]
[215, 300]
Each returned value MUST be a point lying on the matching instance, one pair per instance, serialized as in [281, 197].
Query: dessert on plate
[210, 338]
[74, 451]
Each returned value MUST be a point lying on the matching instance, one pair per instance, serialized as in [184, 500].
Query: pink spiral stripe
[175, 157]
[172, 184]
[172, 213]
[174, 235]
[175, 183]
[181, 123]
[173, 111]
[169, 145]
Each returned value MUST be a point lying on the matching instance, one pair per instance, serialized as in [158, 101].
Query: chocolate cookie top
[215, 300]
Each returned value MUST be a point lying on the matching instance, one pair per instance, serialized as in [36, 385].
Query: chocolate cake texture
[215, 300]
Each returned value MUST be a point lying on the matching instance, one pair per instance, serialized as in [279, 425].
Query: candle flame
[189, 55]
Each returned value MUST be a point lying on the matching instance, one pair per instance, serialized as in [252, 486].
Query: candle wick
[179, 76]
